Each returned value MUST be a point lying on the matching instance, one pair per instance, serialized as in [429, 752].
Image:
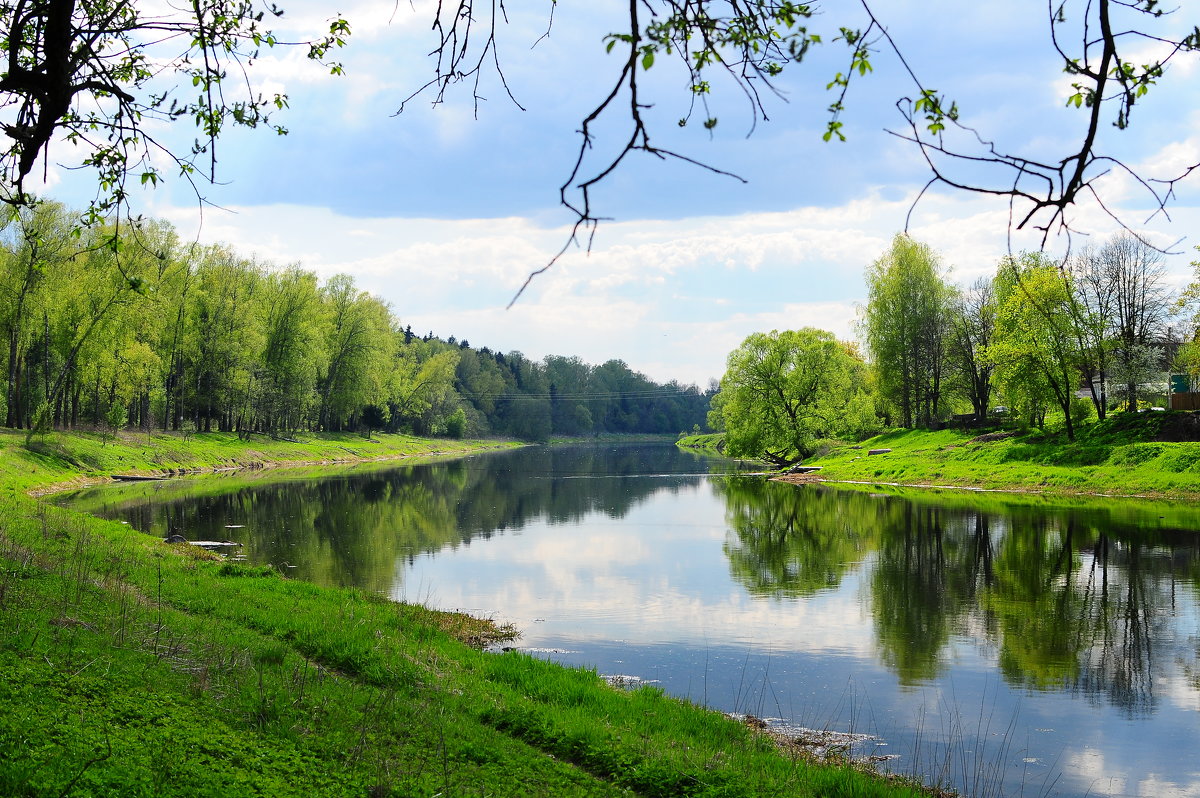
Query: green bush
[456, 424]
[1082, 411]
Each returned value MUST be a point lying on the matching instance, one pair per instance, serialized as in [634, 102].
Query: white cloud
[588, 577]
[670, 298]
[1094, 774]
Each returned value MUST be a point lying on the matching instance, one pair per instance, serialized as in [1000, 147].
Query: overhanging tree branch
[85, 70]
[748, 43]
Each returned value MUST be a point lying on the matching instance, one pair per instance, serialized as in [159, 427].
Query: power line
[643, 394]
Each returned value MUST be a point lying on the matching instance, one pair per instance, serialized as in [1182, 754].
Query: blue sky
[443, 214]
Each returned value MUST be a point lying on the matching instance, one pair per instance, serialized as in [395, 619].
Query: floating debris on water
[817, 743]
[625, 681]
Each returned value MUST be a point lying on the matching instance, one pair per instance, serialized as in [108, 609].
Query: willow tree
[293, 353]
[359, 342]
[36, 243]
[906, 323]
[224, 338]
[785, 392]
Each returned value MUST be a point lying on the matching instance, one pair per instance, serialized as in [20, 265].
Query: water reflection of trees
[791, 542]
[354, 528]
[1068, 599]
[926, 574]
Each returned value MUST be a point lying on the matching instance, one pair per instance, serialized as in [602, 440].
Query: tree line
[108, 326]
[1075, 339]
[1079, 337]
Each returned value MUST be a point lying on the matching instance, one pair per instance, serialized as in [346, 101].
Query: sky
[444, 211]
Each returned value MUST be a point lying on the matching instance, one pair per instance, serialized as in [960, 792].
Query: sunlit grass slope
[60, 457]
[1120, 456]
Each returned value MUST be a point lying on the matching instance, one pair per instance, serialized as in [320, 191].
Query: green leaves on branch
[83, 71]
[860, 64]
[751, 41]
[932, 107]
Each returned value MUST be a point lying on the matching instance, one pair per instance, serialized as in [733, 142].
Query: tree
[293, 355]
[524, 412]
[91, 286]
[1035, 349]
[37, 244]
[1136, 272]
[906, 323]
[89, 71]
[570, 380]
[973, 324]
[783, 392]
[358, 342]
[419, 383]
[1123, 308]
[1187, 305]
[1093, 315]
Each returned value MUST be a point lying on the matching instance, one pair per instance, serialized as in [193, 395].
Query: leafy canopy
[784, 392]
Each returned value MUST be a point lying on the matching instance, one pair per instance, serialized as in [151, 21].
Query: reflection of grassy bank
[1135, 517]
[129, 667]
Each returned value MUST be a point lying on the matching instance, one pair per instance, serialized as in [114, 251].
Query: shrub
[456, 424]
[241, 569]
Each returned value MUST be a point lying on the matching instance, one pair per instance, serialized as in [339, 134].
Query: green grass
[78, 456]
[130, 667]
[713, 442]
[1118, 457]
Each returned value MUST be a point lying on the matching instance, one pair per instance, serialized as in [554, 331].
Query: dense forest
[108, 327]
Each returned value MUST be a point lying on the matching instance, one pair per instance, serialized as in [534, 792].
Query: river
[1000, 645]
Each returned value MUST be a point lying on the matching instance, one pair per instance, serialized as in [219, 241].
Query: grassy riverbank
[712, 442]
[1130, 454]
[130, 667]
[62, 459]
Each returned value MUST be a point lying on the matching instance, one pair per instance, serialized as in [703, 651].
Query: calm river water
[1004, 646]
